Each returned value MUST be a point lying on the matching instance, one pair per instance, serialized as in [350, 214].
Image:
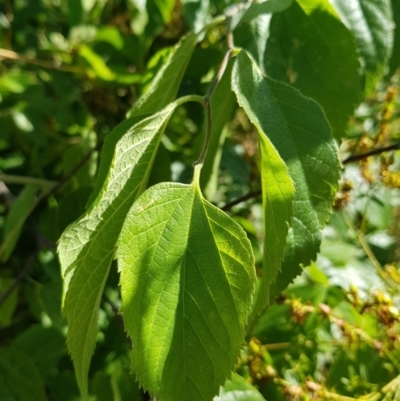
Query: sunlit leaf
[86, 248]
[187, 278]
[165, 84]
[253, 94]
[238, 389]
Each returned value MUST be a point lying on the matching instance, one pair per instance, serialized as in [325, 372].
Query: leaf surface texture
[187, 278]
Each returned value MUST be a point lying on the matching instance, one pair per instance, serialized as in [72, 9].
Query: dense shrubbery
[105, 106]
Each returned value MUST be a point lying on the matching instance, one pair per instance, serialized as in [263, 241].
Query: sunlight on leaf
[187, 278]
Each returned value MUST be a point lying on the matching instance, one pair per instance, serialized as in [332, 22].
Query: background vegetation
[69, 73]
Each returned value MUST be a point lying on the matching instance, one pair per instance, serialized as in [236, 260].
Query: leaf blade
[86, 248]
[297, 128]
[371, 23]
[311, 49]
[165, 84]
[171, 290]
[277, 186]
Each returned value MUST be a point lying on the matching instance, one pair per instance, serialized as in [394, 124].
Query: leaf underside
[87, 247]
[187, 278]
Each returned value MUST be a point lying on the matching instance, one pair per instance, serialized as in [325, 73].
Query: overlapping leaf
[310, 48]
[277, 186]
[165, 84]
[296, 128]
[371, 23]
[86, 248]
[187, 278]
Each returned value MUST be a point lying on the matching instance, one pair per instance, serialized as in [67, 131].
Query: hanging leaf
[292, 127]
[86, 248]
[277, 186]
[187, 278]
[310, 48]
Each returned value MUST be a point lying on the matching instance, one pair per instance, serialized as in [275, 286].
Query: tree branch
[52, 65]
[350, 159]
[373, 152]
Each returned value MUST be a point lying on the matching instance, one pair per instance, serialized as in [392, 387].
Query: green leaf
[238, 389]
[253, 37]
[197, 13]
[187, 278]
[297, 128]
[395, 58]
[311, 49]
[98, 65]
[252, 91]
[16, 219]
[86, 248]
[19, 377]
[108, 150]
[165, 84]
[371, 23]
[7, 308]
[252, 10]
[166, 7]
[44, 345]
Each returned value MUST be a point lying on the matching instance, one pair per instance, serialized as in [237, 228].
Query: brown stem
[350, 159]
[373, 152]
[11, 55]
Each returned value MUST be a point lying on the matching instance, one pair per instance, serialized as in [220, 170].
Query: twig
[68, 176]
[241, 199]
[350, 159]
[21, 275]
[373, 152]
[23, 180]
[11, 55]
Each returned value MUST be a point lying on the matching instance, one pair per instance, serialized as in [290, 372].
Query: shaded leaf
[86, 248]
[222, 107]
[297, 128]
[7, 308]
[44, 345]
[310, 48]
[395, 58]
[16, 219]
[187, 278]
[20, 379]
[371, 23]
